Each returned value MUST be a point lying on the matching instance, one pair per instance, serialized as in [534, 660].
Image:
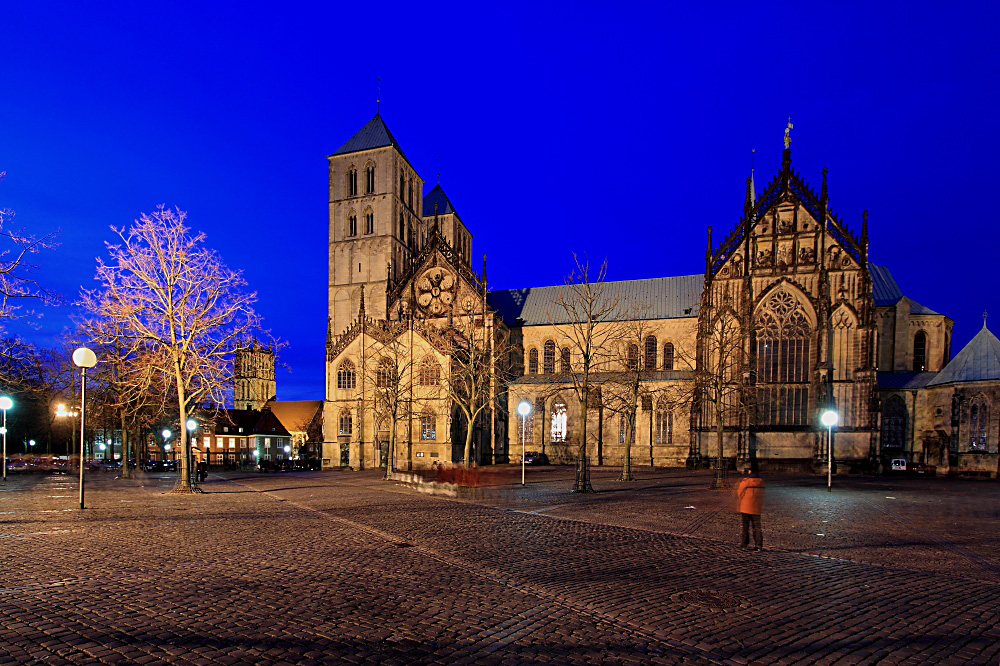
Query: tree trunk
[392, 450]
[627, 462]
[126, 471]
[582, 482]
[184, 478]
[468, 442]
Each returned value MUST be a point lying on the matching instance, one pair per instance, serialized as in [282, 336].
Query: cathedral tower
[376, 227]
[253, 376]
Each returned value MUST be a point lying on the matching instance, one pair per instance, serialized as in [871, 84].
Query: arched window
[346, 376]
[632, 357]
[783, 334]
[369, 221]
[346, 423]
[428, 426]
[385, 375]
[532, 361]
[352, 181]
[369, 178]
[402, 227]
[527, 426]
[649, 363]
[623, 428]
[559, 421]
[352, 223]
[893, 424]
[402, 184]
[430, 373]
[410, 196]
[549, 357]
[668, 356]
[920, 352]
[564, 366]
[664, 424]
[979, 423]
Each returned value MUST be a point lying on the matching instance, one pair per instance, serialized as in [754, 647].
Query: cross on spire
[985, 315]
[788, 133]
[378, 95]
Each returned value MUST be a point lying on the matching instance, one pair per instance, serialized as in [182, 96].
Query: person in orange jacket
[749, 498]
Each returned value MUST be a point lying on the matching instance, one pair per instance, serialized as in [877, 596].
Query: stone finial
[788, 134]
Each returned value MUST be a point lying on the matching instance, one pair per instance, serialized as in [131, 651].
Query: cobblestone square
[327, 567]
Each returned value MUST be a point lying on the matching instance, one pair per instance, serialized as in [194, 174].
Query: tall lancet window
[920, 352]
[782, 335]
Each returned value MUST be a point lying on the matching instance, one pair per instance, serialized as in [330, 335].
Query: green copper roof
[977, 362]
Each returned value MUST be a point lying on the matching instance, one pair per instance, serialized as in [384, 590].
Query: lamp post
[523, 408]
[166, 445]
[71, 413]
[5, 404]
[829, 419]
[192, 425]
[83, 358]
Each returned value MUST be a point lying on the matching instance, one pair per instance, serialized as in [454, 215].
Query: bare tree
[584, 322]
[166, 290]
[479, 349]
[628, 380]
[390, 371]
[720, 378]
[16, 283]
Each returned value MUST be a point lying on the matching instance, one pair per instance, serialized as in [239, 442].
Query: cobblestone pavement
[309, 568]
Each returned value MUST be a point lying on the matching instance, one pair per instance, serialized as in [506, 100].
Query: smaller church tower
[253, 376]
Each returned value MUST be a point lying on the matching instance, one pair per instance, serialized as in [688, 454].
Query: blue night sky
[613, 130]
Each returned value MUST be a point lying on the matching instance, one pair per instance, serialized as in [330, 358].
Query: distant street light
[192, 425]
[71, 413]
[83, 358]
[166, 446]
[5, 404]
[523, 408]
[829, 419]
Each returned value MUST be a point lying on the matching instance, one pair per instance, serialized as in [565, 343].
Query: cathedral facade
[790, 319]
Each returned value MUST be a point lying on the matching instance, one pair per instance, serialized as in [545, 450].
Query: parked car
[17, 466]
[535, 458]
[897, 465]
[921, 468]
[102, 465]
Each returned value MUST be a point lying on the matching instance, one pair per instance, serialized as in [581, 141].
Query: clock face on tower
[435, 291]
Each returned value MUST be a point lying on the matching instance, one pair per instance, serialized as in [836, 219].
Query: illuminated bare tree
[479, 350]
[390, 371]
[720, 377]
[165, 289]
[16, 283]
[583, 321]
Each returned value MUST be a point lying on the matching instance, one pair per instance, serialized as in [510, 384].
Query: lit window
[346, 423]
[559, 421]
[979, 422]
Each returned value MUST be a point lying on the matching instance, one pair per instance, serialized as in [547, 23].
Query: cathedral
[425, 365]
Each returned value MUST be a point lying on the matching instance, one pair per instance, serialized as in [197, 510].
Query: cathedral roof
[651, 298]
[977, 362]
[437, 196]
[374, 134]
[898, 381]
[887, 292]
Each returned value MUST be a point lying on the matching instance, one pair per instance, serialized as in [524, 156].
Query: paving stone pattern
[326, 568]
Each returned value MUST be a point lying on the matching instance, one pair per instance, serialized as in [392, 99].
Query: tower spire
[708, 254]
[378, 95]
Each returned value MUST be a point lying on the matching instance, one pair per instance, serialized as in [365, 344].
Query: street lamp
[71, 413]
[166, 446]
[192, 425]
[5, 404]
[523, 408]
[83, 358]
[829, 419]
